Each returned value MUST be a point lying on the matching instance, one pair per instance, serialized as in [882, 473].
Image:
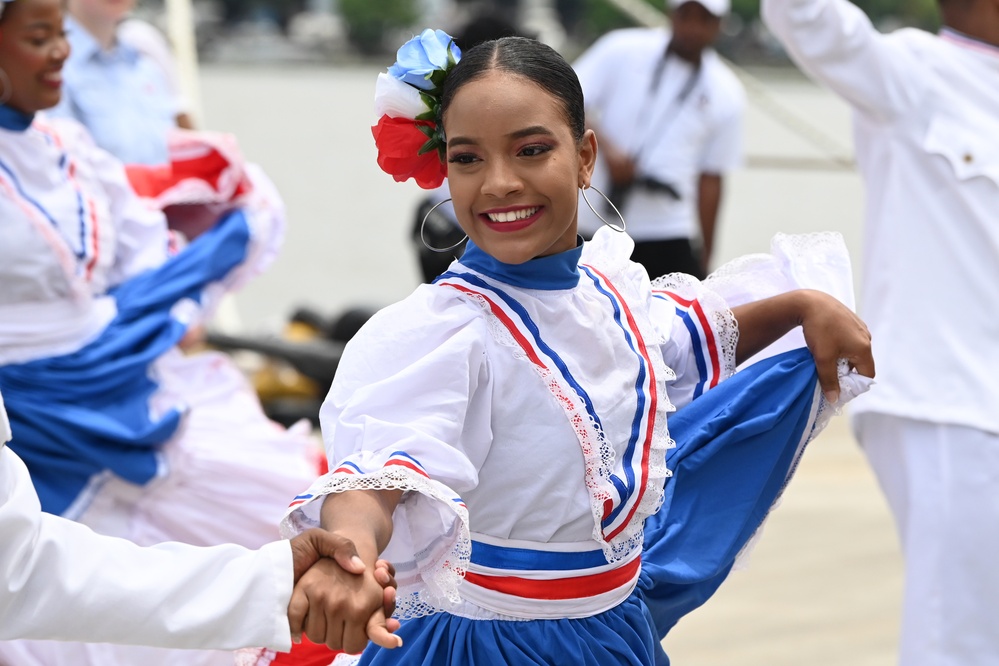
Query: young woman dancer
[501, 435]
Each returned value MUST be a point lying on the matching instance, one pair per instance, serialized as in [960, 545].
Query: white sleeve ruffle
[804, 261]
[409, 410]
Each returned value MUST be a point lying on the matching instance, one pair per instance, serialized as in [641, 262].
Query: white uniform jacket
[61, 581]
[927, 140]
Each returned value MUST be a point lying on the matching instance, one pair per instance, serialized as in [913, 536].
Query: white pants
[942, 483]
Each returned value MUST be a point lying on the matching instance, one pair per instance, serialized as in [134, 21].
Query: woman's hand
[832, 332]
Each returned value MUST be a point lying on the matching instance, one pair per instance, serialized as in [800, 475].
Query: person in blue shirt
[121, 95]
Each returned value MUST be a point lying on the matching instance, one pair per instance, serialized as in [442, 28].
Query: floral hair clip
[409, 134]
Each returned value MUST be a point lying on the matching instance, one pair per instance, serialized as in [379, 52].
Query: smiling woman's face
[33, 48]
[514, 168]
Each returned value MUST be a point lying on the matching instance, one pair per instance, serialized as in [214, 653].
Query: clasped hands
[338, 600]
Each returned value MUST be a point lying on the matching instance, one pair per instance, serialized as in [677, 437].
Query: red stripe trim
[577, 587]
[709, 336]
[346, 470]
[405, 463]
[653, 403]
[505, 319]
[93, 234]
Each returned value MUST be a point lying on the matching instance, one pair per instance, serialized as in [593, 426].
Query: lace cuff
[430, 545]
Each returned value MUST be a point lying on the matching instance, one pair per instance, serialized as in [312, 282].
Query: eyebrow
[519, 134]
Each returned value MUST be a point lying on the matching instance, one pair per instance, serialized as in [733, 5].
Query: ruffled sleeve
[409, 410]
[701, 333]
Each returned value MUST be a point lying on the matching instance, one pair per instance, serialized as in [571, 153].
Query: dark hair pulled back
[524, 57]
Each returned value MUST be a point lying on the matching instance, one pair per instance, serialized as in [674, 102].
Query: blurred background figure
[926, 119]
[124, 97]
[147, 39]
[668, 115]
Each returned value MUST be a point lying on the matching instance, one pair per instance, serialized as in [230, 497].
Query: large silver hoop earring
[423, 225]
[624, 225]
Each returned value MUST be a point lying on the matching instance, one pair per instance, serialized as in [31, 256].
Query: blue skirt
[76, 415]
[737, 446]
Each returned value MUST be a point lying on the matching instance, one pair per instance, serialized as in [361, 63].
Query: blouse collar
[555, 271]
[14, 120]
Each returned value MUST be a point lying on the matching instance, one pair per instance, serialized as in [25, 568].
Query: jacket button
[968, 158]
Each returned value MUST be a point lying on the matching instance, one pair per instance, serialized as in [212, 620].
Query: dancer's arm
[62, 581]
[832, 332]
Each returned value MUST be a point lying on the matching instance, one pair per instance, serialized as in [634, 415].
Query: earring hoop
[619, 229]
[423, 225]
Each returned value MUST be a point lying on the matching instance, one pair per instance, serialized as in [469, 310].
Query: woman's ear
[587, 157]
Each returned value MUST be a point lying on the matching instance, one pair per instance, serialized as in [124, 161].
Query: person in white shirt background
[63, 581]
[926, 119]
[669, 115]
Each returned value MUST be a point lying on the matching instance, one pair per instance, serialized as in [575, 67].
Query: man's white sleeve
[62, 581]
[834, 42]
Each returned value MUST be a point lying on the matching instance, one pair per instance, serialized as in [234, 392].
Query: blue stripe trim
[698, 343]
[347, 463]
[702, 366]
[636, 423]
[403, 454]
[55, 225]
[535, 333]
[525, 559]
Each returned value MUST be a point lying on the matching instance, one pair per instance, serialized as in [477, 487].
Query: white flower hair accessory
[409, 135]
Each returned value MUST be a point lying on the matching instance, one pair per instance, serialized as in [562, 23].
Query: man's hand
[332, 605]
[310, 546]
[321, 605]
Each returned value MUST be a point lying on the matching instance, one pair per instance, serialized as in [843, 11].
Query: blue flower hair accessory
[408, 107]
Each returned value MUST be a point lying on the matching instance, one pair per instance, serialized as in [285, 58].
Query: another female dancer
[119, 429]
[501, 435]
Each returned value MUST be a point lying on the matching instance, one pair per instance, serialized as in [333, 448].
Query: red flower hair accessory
[409, 135]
